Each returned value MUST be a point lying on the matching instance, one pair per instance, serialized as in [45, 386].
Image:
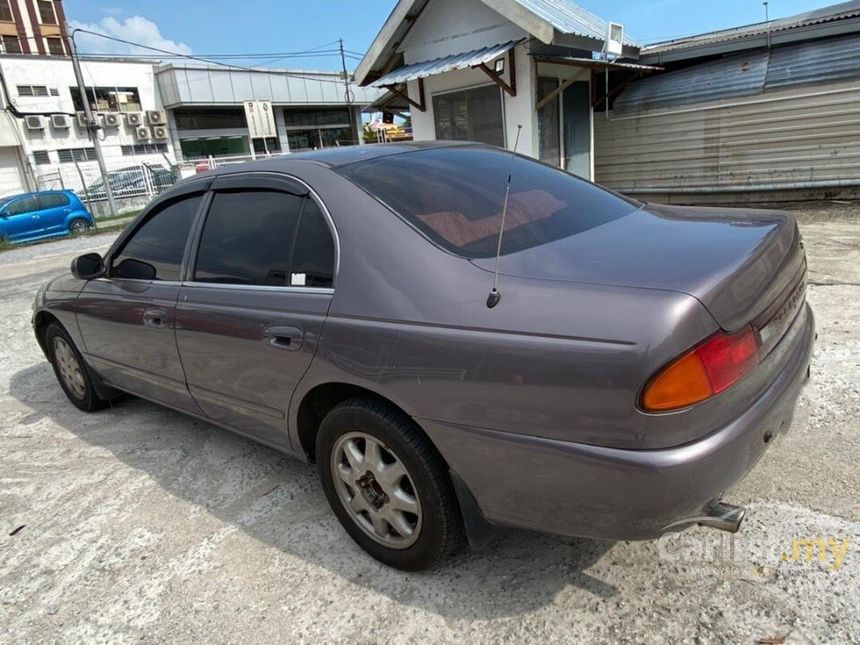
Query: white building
[478, 69]
[312, 109]
[43, 143]
[156, 115]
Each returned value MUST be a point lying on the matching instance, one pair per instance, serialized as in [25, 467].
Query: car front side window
[155, 250]
[21, 206]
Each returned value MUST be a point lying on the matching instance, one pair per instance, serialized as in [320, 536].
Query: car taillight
[703, 372]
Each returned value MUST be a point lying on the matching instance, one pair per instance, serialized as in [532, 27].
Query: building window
[32, 90]
[41, 157]
[272, 145]
[549, 123]
[303, 118]
[310, 129]
[11, 45]
[108, 99]
[210, 119]
[46, 12]
[55, 47]
[470, 115]
[6, 11]
[70, 155]
[144, 149]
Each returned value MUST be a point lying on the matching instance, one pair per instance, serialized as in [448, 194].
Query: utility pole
[347, 93]
[92, 125]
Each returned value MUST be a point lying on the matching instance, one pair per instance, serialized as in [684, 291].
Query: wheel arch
[41, 320]
[321, 399]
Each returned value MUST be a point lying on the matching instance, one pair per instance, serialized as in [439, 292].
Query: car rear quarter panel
[554, 359]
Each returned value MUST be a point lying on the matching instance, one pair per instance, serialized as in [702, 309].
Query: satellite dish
[615, 39]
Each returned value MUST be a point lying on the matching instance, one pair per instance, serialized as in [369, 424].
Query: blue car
[37, 216]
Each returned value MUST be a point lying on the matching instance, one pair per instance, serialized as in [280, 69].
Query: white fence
[133, 183]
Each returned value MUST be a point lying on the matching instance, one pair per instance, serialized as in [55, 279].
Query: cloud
[135, 29]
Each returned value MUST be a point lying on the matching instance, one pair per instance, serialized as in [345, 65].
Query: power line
[208, 61]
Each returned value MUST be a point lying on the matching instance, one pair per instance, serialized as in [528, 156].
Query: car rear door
[127, 319]
[251, 310]
[53, 209]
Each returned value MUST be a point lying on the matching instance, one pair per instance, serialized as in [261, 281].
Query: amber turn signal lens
[705, 371]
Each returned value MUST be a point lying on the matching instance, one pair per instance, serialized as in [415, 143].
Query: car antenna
[495, 296]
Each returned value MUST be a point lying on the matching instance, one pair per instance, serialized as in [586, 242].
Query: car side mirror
[135, 270]
[88, 267]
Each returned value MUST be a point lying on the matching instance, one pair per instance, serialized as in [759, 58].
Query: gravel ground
[142, 525]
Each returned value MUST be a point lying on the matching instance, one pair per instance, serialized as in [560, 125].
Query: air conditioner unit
[60, 121]
[134, 118]
[112, 119]
[82, 119]
[35, 122]
[160, 132]
[142, 133]
[156, 117]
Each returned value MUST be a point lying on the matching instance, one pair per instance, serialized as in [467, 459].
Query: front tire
[387, 485]
[70, 370]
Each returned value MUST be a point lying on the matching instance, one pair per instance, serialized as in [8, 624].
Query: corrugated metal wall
[801, 131]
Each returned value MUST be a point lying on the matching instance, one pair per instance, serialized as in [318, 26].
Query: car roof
[64, 191]
[337, 157]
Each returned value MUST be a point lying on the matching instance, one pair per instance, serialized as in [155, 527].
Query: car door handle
[283, 337]
[155, 318]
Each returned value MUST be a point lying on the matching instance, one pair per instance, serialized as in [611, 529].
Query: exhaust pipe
[723, 517]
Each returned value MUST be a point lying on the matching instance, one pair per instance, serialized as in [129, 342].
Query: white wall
[58, 73]
[452, 26]
[518, 110]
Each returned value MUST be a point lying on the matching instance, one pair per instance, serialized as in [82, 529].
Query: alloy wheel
[69, 368]
[376, 490]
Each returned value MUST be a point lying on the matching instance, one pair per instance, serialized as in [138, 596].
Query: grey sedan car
[634, 362]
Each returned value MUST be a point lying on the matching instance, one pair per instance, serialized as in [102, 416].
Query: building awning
[465, 60]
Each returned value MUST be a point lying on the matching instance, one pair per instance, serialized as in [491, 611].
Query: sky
[201, 27]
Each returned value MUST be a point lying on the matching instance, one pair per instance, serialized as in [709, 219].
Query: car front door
[252, 308]
[22, 220]
[127, 319]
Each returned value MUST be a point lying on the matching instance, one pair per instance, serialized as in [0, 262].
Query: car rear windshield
[456, 195]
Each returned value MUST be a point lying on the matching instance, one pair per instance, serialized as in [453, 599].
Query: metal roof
[595, 62]
[750, 73]
[545, 19]
[441, 65]
[569, 18]
[832, 13]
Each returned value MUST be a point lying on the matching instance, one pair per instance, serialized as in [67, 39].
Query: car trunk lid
[737, 262]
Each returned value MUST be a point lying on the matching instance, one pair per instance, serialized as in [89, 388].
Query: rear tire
[387, 485]
[79, 226]
[70, 370]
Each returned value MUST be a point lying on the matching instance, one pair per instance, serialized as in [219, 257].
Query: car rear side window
[456, 195]
[53, 200]
[265, 238]
[155, 249]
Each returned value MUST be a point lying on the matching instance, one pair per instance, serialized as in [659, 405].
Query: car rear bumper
[592, 491]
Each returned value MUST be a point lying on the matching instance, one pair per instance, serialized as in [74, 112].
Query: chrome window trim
[323, 209]
[258, 287]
